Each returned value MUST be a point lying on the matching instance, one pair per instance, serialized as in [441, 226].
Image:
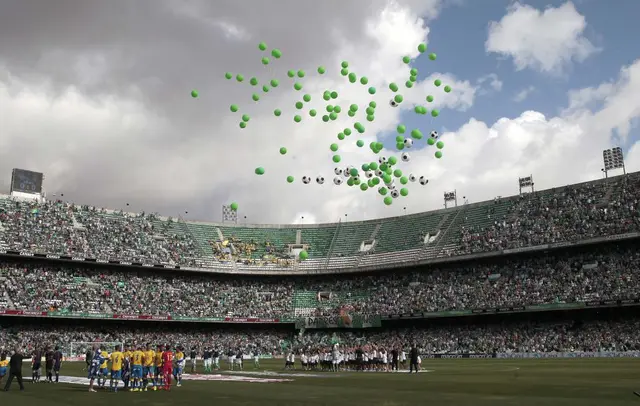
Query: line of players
[359, 359]
[140, 369]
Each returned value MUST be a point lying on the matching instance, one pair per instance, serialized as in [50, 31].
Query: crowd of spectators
[61, 228]
[564, 336]
[568, 214]
[575, 213]
[605, 273]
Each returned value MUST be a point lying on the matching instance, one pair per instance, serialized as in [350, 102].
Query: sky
[96, 95]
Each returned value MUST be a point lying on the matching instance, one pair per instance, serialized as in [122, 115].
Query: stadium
[486, 291]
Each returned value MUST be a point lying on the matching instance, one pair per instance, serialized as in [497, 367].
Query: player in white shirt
[232, 360]
[256, 359]
[403, 359]
[335, 358]
[385, 361]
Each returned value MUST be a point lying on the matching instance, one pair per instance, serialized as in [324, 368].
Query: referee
[15, 370]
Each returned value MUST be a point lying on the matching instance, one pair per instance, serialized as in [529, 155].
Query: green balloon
[418, 109]
[297, 118]
[277, 112]
[370, 110]
[344, 72]
[364, 80]
[404, 191]
[447, 89]
[406, 59]
[352, 76]
[255, 97]
[243, 124]
[326, 96]
[392, 160]
[435, 113]
[422, 47]
[373, 166]
[393, 87]
[283, 150]
[306, 98]
[194, 93]
[365, 167]
[233, 108]
[372, 104]
[398, 98]
[291, 73]
[333, 147]
[344, 64]
[432, 56]
[336, 158]
[400, 146]
[265, 88]
[301, 73]
[347, 131]
[321, 70]
[408, 84]
[397, 173]
[276, 53]
[382, 191]
[253, 81]
[360, 143]
[234, 206]
[350, 182]
[388, 200]
[297, 86]
[440, 144]
[245, 117]
[371, 117]
[303, 255]
[341, 136]
[353, 172]
[438, 154]
[386, 178]
[333, 116]
[290, 179]
[274, 83]
[337, 109]
[228, 75]
[372, 90]
[259, 171]
[413, 78]
[312, 113]
[431, 141]
[364, 186]
[353, 107]
[417, 134]
[239, 77]
[399, 138]
[299, 105]
[329, 108]
[265, 60]
[437, 82]
[334, 95]
[262, 46]
[401, 129]
[325, 118]
[429, 98]
[413, 72]
[404, 180]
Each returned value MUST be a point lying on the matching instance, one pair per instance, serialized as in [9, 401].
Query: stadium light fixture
[613, 159]
[526, 183]
[450, 197]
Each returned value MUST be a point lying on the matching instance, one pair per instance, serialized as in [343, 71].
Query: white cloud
[546, 41]
[492, 80]
[110, 149]
[523, 94]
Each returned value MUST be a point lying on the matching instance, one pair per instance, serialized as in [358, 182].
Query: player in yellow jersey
[117, 357]
[103, 372]
[158, 379]
[147, 367]
[136, 369]
[4, 363]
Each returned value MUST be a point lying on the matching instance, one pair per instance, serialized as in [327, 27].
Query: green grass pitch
[557, 382]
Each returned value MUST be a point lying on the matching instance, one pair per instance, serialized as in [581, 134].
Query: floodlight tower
[450, 197]
[613, 159]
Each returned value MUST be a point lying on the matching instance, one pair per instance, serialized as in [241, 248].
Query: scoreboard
[26, 181]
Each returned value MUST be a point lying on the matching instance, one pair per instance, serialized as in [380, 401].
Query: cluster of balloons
[381, 174]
